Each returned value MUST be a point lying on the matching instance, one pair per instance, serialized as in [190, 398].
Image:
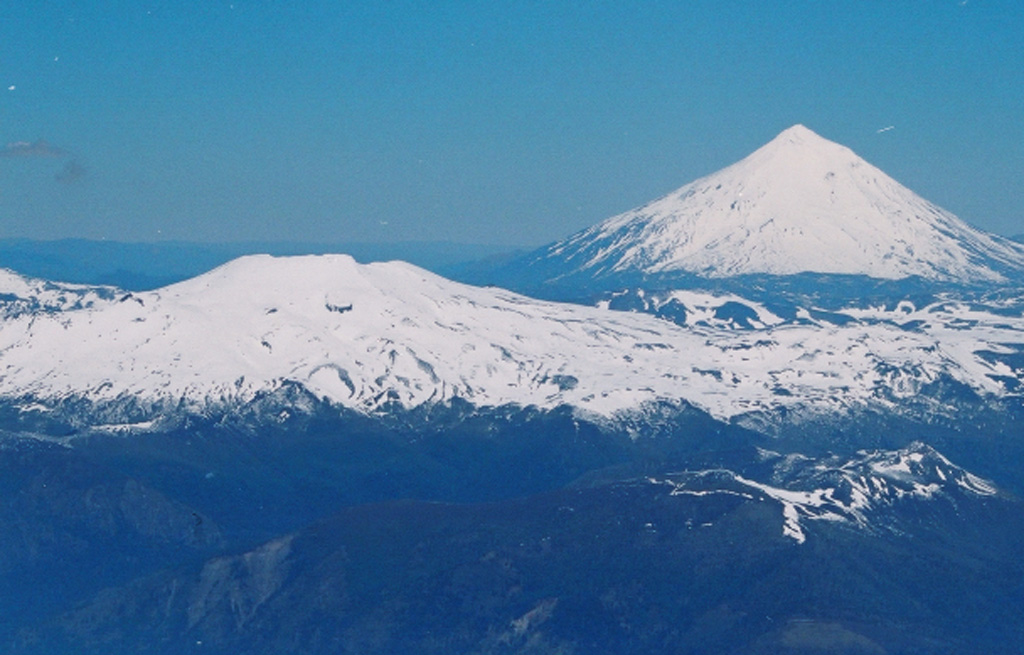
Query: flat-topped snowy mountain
[798, 204]
[379, 335]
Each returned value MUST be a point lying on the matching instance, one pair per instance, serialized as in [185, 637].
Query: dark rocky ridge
[622, 567]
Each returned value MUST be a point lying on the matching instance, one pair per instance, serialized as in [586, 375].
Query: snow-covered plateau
[369, 336]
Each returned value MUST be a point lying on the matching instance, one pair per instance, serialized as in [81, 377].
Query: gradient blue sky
[488, 122]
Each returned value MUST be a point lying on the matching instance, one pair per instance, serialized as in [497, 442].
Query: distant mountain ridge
[800, 204]
[26, 295]
[146, 266]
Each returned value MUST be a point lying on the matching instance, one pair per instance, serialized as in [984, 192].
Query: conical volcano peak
[799, 141]
[798, 153]
[800, 203]
[798, 135]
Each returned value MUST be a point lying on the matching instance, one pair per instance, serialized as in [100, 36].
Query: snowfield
[363, 336]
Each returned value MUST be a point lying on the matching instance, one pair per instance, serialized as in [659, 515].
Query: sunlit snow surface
[850, 491]
[800, 203]
[23, 295]
[365, 335]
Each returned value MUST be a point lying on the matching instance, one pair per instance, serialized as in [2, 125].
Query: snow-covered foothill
[25, 295]
[853, 491]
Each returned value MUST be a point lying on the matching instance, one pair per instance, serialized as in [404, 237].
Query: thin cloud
[72, 172]
[885, 129]
[38, 148]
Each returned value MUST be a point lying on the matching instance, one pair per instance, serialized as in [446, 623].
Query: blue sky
[501, 122]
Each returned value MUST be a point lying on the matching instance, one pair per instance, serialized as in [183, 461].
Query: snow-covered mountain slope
[856, 491]
[369, 336]
[695, 308]
[26, 295]
[798, 204]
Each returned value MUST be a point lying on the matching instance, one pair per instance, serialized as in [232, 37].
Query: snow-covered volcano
[799, 204]
[370, 336]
